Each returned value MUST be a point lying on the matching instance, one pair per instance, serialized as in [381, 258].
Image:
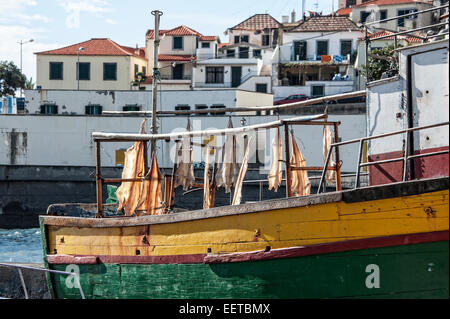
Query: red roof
[97, 46]
[175, 58]
[345, 12]
[258, 22]
[382, 33]
[221, 45]
[390, 2]
[326, 23]
[208, 38]
[178, 31]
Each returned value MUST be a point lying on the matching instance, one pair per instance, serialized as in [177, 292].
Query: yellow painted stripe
[316, 224]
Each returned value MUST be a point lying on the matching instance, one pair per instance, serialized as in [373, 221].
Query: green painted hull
[407, 271]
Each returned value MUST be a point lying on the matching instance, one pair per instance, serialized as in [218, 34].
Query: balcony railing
[187, 77]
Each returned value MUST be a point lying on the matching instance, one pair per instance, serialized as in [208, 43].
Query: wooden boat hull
[315, 247]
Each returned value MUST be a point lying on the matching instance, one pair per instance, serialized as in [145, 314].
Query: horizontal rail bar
[368, 138]
[408, 31]
[312, 168]
[428, 154]
[320, 100]
[115, 137]
[408, 15]
[382, 162]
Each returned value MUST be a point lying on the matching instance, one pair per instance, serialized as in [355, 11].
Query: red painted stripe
[319, 249]
[327, 248]
[425, 167]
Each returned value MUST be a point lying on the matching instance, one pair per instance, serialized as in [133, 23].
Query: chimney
[293, 16]
[285, 19]
[137, 51]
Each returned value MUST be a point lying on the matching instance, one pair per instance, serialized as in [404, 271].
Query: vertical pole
[213, 183]
[338, 158]
[287, 162]
[154, 129]
[358, 165]
[367, 53]
[405, 158]
[23, 283]
[395, 42]
[99, 181]
[322, 178]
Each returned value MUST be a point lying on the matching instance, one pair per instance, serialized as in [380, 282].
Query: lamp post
[78, 65]
[21, 44]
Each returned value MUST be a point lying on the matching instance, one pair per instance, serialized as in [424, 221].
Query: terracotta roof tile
[208, 38]
[258, 22]
[382, 33]
[97, 46]
[178, 31]
[345, 12]
[326, 23]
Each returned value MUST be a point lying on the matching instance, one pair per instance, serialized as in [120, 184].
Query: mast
[154, 128]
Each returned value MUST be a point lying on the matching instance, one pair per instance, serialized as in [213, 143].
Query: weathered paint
[406, 271]
[279, 228]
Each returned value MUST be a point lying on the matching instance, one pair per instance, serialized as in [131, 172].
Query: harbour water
[20, 245]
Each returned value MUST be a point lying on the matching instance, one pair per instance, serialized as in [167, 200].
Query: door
[177, 72]
[236, 75]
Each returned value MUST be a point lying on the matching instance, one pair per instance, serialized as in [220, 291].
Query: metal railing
[406, 157]
[20, 267]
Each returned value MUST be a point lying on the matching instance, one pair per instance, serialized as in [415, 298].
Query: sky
[57, 23]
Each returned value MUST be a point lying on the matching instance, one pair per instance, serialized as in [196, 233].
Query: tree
[11, 78]
[383, 62]
[29, 84]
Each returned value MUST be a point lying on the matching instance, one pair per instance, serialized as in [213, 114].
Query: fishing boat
[385, 240]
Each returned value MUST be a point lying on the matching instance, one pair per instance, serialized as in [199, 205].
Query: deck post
[338, 158]
[99, 181]
[287, 162]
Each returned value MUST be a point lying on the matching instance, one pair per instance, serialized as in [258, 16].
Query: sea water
[20, 245]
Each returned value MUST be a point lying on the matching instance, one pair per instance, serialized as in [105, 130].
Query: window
[300, 50]
[49, 109]
[131, 108]
[261, 87]
[178, 43]
[237, 39]
[93, 109]
[218, 106]
[243, 53]
[201, 107]
[257, 53]
[244, 38]
[178, 72]
[364, 16]
[346, 47]
[265, 40]
[136, 70]
[144, 70]
[214, 74]
[109, 71]
[206, 45]
[182, 108]
[84, 71]
[231, 53]
[56, 70]
[322, 47]
[383, 14]
[401, 21]
[317, 90]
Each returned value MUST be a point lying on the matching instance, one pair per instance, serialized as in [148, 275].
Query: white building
[245, 62]
[316, 57]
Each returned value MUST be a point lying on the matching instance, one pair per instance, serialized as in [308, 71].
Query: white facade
[38, 140]
[74, 102]
[387, 104]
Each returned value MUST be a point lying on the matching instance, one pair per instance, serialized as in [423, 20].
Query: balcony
[184, 78]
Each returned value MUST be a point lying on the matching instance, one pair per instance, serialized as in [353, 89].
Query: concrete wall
[125, 72]
[67, 140]
[74, 102]
[331, 88]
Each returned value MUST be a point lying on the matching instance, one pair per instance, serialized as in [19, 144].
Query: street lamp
[22, 43]
[78, 65]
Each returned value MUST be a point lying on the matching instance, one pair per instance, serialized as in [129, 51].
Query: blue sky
[57, 23]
